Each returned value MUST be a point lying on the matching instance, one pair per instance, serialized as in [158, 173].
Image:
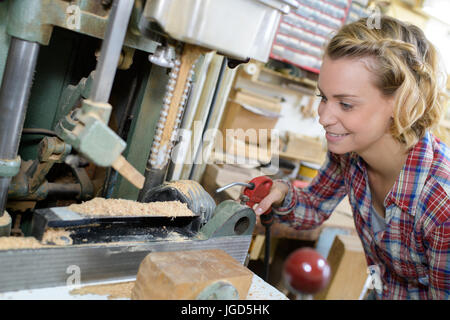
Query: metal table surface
[259, 290]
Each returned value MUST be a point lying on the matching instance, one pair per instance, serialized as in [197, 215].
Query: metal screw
[106, 3]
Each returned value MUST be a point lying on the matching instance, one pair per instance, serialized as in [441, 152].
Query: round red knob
[306, 271]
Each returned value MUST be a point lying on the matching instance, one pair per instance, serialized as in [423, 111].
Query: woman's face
[354, 113]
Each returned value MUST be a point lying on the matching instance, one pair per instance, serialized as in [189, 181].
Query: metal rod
[14, 93]
[153, 178]
[39, 131]
[64, 191]
[267, 254]
[248, 185]
[110, 50]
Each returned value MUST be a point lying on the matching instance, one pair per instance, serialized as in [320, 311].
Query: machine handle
[248, 185]
[254, 192]
[262, 186]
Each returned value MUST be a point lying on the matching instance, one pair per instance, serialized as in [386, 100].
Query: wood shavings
[175, 236]
[51, 238]
[121, 207]
[113, 291]
[182, 187]
[13, 243]
[60, 237]
[261, 290]
[5, 219]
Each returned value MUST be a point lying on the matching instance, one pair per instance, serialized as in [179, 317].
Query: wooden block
[303, 148]
[348, 269]
[182, 275]
[238, 117]
[257, 246]
[261, 101]
[129, 172]
[234, 150]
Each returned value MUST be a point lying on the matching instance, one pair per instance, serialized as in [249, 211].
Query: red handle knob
[261, 189]
[306, 271]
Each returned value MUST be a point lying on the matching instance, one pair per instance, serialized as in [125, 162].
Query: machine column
[14, 94]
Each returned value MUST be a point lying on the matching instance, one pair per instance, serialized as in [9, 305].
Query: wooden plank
[348, 269]
[257, 246]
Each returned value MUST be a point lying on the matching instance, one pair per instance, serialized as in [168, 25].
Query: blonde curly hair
[406, 66]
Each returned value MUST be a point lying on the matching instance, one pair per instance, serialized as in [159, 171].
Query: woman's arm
[309, 207]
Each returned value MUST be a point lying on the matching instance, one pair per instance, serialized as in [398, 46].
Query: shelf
[308, 31]
[337, 6]
[303, 81]
[276, 57]
[280, 88]
[322, 12]
[322, 27]
[314, 21]
[298, 51]
[299, 39]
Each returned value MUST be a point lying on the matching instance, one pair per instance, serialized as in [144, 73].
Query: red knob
[306, 271]
[261, 189]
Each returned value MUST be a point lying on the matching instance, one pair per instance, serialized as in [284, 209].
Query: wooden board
[348, 269]
[182, 275]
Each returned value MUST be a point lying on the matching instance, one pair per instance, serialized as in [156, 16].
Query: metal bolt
[106, 3]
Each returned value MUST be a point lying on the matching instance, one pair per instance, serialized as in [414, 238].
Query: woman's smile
[335, 137]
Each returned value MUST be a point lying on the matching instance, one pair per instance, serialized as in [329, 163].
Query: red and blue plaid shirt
[413, 251]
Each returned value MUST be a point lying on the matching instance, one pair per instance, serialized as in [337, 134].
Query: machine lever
[247, 185]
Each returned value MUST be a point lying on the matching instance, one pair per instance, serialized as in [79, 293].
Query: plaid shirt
[413, 251]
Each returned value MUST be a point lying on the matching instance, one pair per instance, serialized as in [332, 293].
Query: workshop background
[53, 161]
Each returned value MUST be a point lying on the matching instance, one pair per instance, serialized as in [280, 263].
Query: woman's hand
[275, 197]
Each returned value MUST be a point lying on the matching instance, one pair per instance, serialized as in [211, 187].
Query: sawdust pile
[51, 238]
[182, 187]
[113, 291]
[121, 207]
[175, 236]
[12, 243]
[59, 237]
[5, 219]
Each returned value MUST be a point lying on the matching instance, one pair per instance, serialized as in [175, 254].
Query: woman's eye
[346, 106]
[322, 97]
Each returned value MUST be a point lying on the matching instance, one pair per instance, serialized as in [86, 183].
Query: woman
[380, 96]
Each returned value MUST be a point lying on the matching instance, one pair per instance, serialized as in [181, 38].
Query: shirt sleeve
[438, 253]
[309, 207]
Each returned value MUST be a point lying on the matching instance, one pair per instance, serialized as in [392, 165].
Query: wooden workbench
[121, 290]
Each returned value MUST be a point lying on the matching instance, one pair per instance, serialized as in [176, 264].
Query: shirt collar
[357, 161]
[407, 188]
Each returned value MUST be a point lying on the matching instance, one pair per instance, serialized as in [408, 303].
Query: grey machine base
[52, 267]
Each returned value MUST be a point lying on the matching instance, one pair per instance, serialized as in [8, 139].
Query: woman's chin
[338, 149]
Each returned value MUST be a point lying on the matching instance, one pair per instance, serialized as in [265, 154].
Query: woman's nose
[326, 115]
